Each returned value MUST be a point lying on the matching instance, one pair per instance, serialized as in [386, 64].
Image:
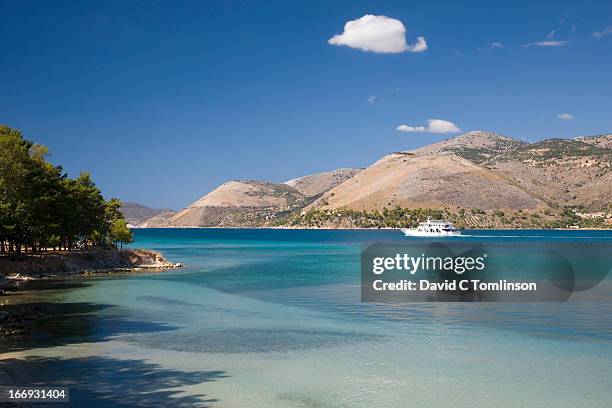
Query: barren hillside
[235, 201]
[159, 220]
[560, 171]
[319, 183]
[604, 141]
[432, 180]
[476, 146]
[479, 179]
[135, 213]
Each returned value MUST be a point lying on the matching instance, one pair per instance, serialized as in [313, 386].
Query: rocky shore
[17, 273]
[58, 264]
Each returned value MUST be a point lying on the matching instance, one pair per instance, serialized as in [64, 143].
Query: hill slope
[135, 213]
[476, 146]
[604, 141]
[319, 183]
[157, 221]
[561, 171]
[478, 179]
[238, 203]
[486, 171]
[431, 180]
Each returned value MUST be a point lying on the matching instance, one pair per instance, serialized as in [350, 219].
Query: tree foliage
[119, 232]
[42, 208]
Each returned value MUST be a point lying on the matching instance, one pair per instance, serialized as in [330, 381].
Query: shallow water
[273, 318]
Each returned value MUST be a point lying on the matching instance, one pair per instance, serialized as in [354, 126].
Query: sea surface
[273, 318]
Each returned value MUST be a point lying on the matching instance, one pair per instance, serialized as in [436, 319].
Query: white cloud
[433, 126]
[603, 33]
[419, 46]
[547, 43]
[441, 126]
[377, 34]
[566, 116]
[406, 128]
[492, 45]
[372, 100]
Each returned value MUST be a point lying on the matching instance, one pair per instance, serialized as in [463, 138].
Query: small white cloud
[406, 128]
[566, 116]
[419, 46]
[603, 33]
[441, 126]
[372, 100]
[433, 126]
[547, 43]
[380, 34]
[493, 45]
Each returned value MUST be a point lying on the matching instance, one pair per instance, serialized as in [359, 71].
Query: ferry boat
[433, 228]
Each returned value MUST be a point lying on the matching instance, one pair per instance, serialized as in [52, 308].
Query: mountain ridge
[477, 171]
[136, 213]
[318, 183]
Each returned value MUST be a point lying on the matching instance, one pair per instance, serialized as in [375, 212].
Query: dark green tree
[119, 232]
[40, 207]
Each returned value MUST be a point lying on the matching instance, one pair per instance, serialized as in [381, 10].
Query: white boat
[432, 228]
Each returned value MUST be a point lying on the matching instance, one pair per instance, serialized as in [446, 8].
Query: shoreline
[17, 270]
[66, 263]
[37, 273]
[365, 228]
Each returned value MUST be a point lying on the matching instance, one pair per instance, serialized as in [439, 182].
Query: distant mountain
[135, 213]
[479, 179]
[436, 176]
[476, 146]
[159, 220]
[240, 203]
[604, 141]
[253, 203]
[319, 183]
[561, 171]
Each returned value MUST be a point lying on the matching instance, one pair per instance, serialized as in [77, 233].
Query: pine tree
[40, 207]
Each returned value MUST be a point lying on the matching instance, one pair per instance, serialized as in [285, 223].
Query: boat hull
[414, 233]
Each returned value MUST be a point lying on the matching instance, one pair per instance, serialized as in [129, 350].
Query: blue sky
[162, 101]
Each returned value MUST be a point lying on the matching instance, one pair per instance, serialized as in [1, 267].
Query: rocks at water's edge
[16, 320]
[81, 263]
[148, 259]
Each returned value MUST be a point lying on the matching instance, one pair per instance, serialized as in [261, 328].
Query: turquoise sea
[273, 318]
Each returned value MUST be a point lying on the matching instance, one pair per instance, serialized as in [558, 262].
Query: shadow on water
[60, 324]
[30, 288]
[50, 285]
[106, 382]
[94, 381]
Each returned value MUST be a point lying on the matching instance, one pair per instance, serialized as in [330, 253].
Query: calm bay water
[273, 318]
